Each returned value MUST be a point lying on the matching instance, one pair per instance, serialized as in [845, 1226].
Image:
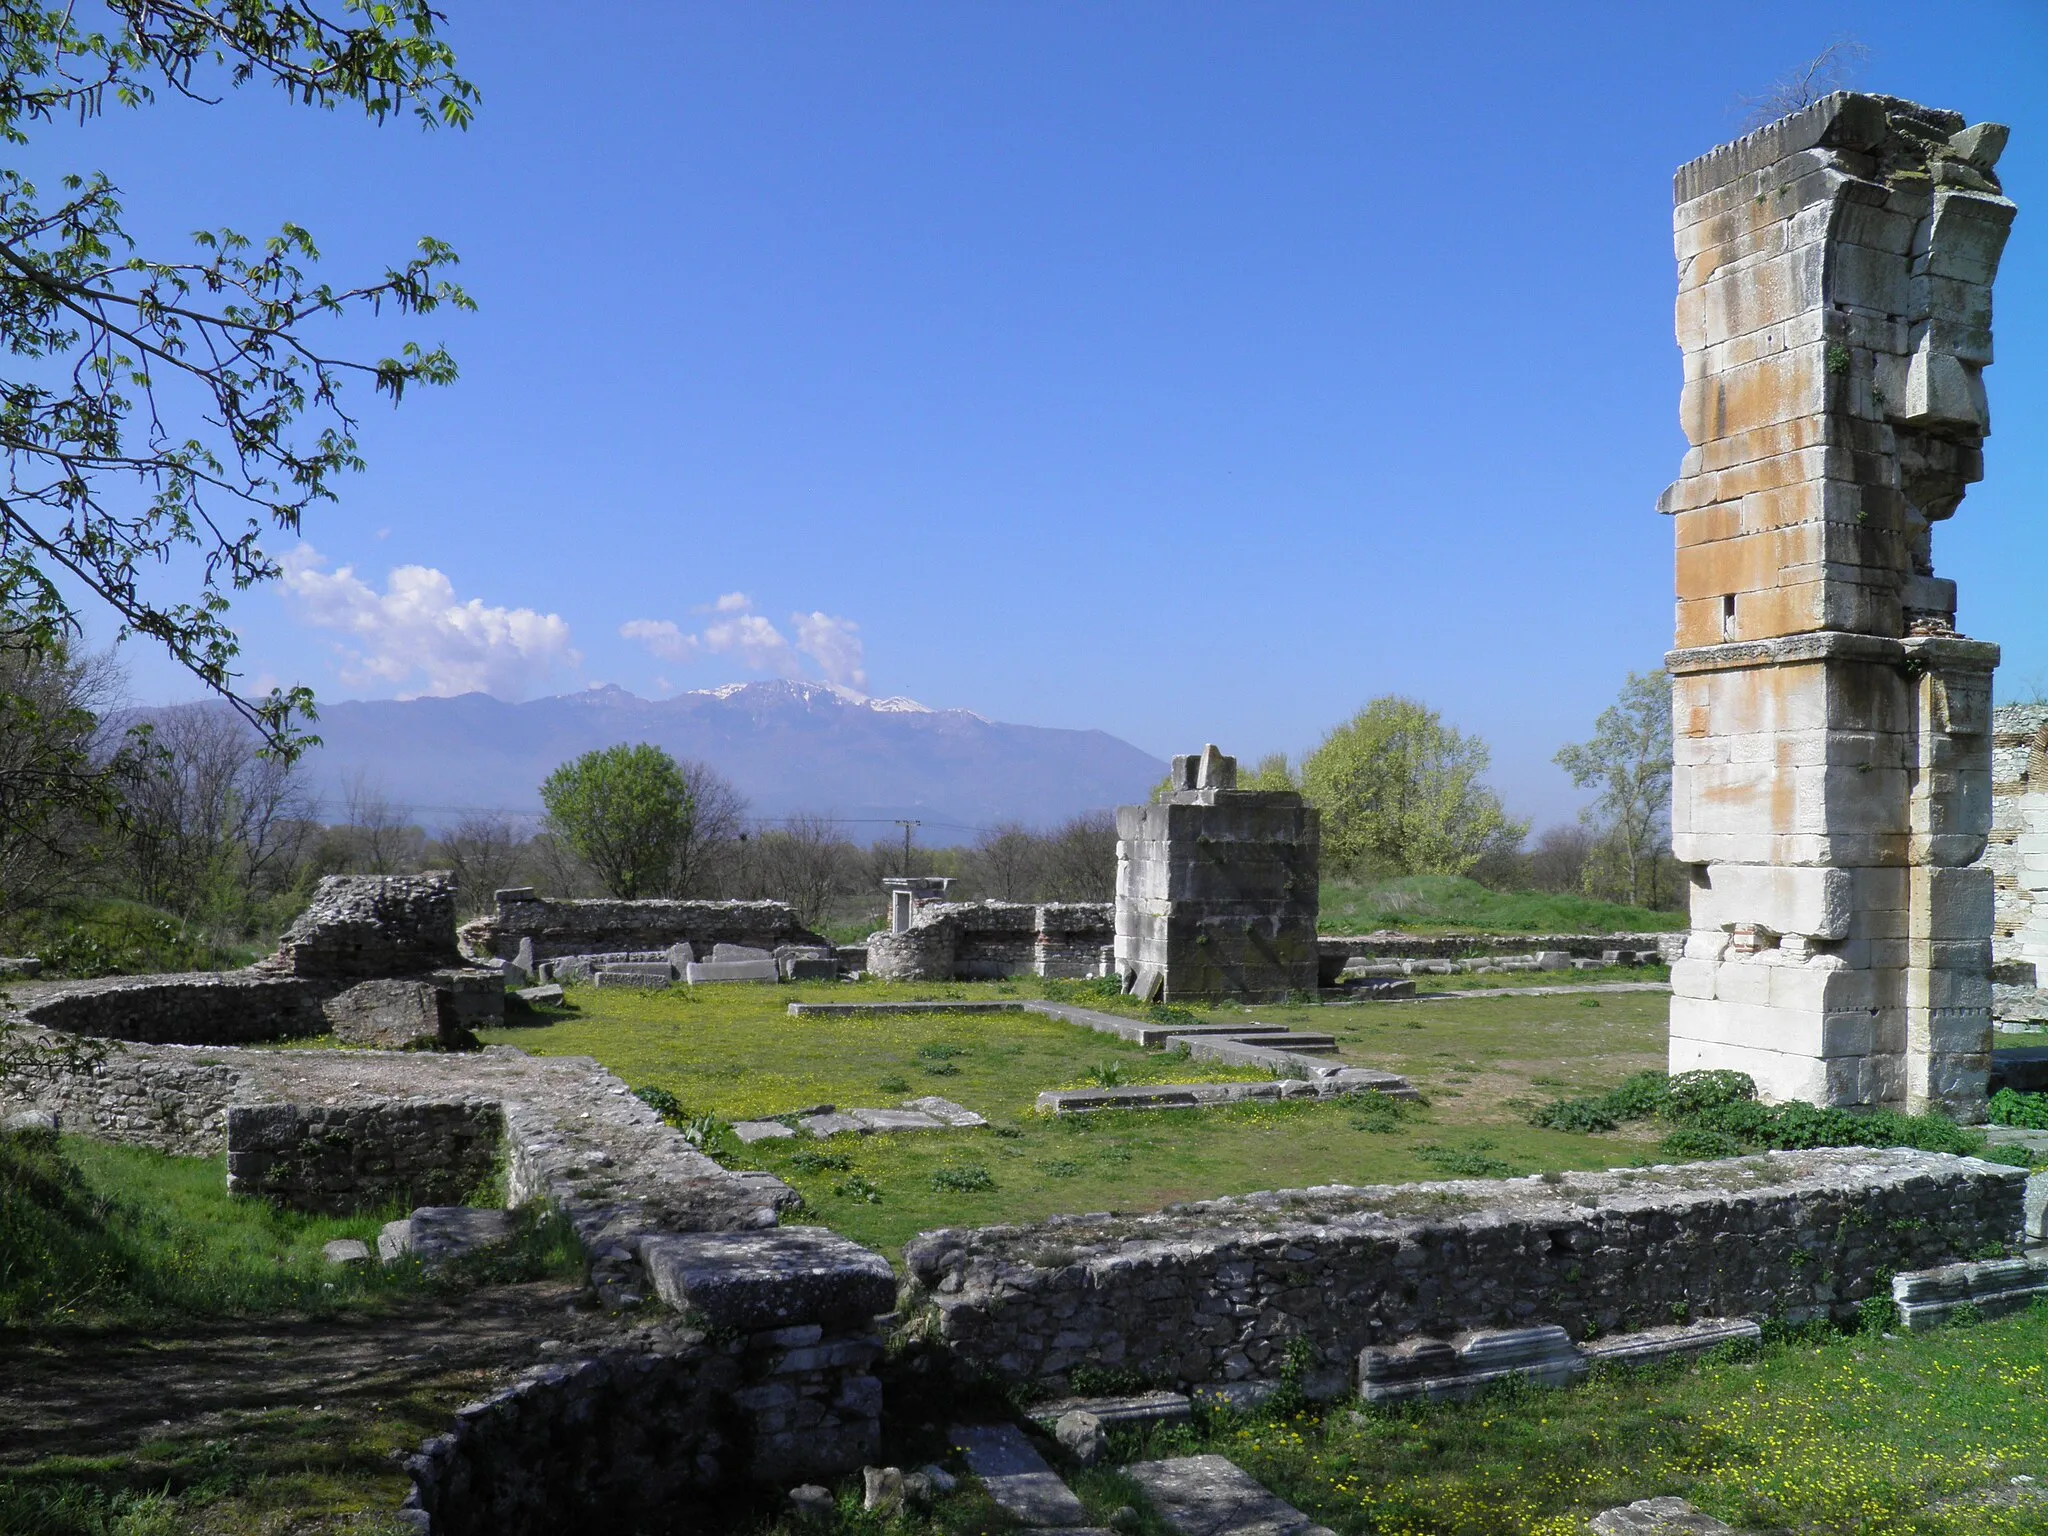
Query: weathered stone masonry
[1832, 731]
[1216, 889]
[982, 940]
[580, 927]
[1215, 1291]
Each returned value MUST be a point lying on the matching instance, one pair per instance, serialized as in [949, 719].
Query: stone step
[1289, 1040]
[1212, 1496]
[1017, 1477]
[1144, 1408]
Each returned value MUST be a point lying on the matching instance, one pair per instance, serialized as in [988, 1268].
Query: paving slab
[1213, 1496]
[833, 1124]
[751, 1131]
[1017, 1477]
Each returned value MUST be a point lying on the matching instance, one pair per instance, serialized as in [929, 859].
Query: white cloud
[757, 643]
[417, 629]
[832, 644]
[662, 637]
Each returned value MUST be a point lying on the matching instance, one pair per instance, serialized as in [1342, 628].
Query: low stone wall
[983, 940]
[164, 1098]
[1217, 1291]
[341, 1158]
[1390, 945]
[627, 1437]
[579, 927]
[195, 1008]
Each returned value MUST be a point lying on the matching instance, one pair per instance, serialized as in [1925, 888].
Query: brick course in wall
[1216, 1291]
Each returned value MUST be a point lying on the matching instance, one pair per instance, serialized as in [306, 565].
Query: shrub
[1107, 1074]
[1693, 1093]
[2026, 1110]
[962, 1179]
[1573, 1115]
[663, 1103]
[1465, 1162]
[812, 1161]
[1695, 1143]
[859, 1187]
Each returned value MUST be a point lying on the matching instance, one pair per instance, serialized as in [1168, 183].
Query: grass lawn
[1447, 903]
[1850, 1435]
[734, 1052]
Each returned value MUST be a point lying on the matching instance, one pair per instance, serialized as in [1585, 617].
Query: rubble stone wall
[624, 1437]
[586, 927]
[341, 1158]
[196, 1008]
[166, 1098]
[1216, 1291]
[362, 926]
[981, 940]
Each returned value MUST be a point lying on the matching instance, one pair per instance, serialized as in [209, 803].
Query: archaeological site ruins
[1867, 838]
[1832, 729]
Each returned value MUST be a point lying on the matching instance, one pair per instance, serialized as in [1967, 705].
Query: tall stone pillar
[1831, 729]
[1216, 889]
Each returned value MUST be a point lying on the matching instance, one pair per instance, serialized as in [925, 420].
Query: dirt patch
[105, 1392]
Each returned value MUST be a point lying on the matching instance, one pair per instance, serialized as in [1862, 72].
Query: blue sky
[1192, 372]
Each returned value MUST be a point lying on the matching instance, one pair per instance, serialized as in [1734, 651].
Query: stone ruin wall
[1832, 732]
[987, 940]
[335, 1159]
[562, 926]
[1217, 889]
[197, 1008]
[358, 927]
[1215, 1291]
[2017, 852]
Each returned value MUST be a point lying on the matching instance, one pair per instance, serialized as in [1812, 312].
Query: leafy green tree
[627, 812]
[1400, 793]
[1629, 762]
[1271, 772]
[170, 407]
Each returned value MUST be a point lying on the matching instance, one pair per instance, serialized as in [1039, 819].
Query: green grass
[1847, 1435]
[1448, 904]
[1493, 980]
[734, 1052]
[100, 1234]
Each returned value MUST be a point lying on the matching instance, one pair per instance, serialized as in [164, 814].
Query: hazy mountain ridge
[787, 746]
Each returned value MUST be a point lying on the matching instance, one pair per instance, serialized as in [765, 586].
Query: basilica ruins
[1832, 729]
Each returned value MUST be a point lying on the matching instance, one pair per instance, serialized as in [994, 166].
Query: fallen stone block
[703, 971]
[1213, 1496]
[777, 1278]
[23, 1121]
[959, 1116]
[1082, 1434]
[879, 1120]
[1927, 1298]
[20, 965]
[751, 1131]
[643, 981]
[346, 1250]
[740, 952]
[1659, 1517]
[1442, 1370]
[807, 968]
[550, 996]
[832, 1123]
[440, 1235]
[388, 1014]
[1017, 1477]
[1677, 1339]
[1143, 1408]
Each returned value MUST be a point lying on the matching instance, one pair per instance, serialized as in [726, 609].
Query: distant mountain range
[786, 746]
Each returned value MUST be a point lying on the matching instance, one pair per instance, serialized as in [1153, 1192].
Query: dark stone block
[752, 1281]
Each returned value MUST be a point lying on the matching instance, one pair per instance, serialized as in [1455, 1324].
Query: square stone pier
[1216, 889]
[1831, 729]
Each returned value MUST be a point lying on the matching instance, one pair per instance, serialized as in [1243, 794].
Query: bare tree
[1832, 69]
[1558, 861]
[484, 851]
[1005, 862]
[717, 813]
[382, 841]
[210, 819]
[807, 863]
[1080, 859]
